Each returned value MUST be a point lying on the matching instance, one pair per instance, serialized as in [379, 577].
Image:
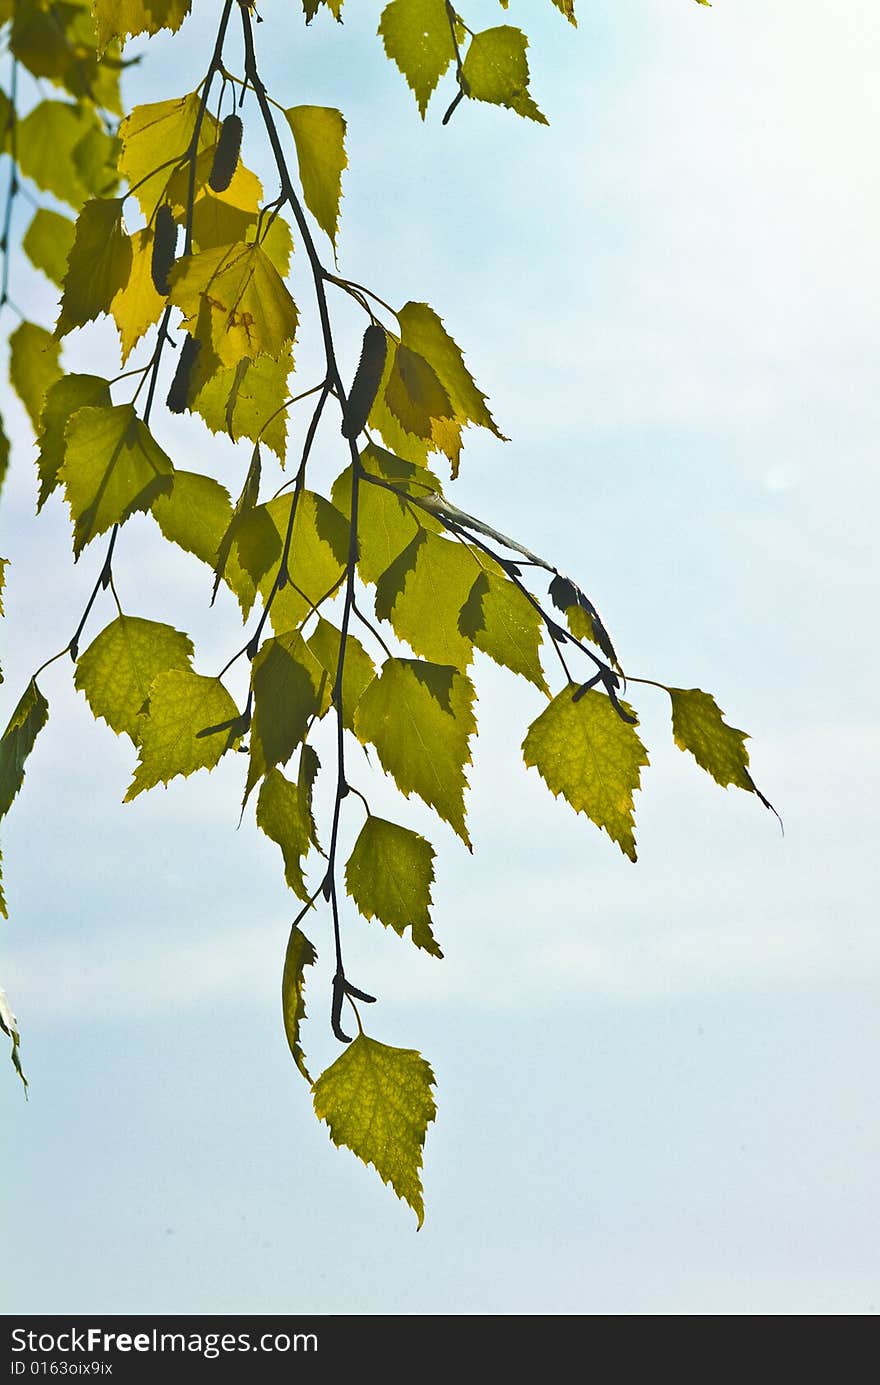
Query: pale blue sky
[656, 1083]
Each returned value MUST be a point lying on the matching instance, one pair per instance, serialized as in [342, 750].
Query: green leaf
[289, 687]
[17, 742]
[300, 954]
[413, 393]
[377, 1101]
[284, 813]
[389, 875]
[112, 468]
[244, 298]
[422, 598]
[495, 69]
[243, 400]
[63, 398]
[49, 141]
[196, 514]
[359, 670]
[117, 670]
[136, 306]
[34, 365]
[182, 704]
[319, 135]
[99, 264]
[318, 553]
[47, 242]
[698, 725]
[419, 716]
[418, 38]
[9, 1025]
[386, 524]
[505, 625]
[4, 454]
[123, 19]
[423, 331]
[586, 752]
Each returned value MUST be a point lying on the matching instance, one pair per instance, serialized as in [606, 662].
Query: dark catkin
[178, 395]
[366, 381]
[226, 154]
[164, 249]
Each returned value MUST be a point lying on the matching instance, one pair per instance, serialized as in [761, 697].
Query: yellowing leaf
[300, 954]
[377, 1101]
[63, 398]
[424, 608]
[319, 135]
[586, 752]
[154, 137]
[116, 671]
[389, 875]
[17, 742]
[284, 813]
[418, 38]
[99, 264]
[182, 704]
[47, 243]
[698, 726]
[123, 19]
[289, 687]
[34, 366]
[505, 625]
[136, 306]
[423, 331]
[249, 308]
[419, 716]
[495, 69]
[112, 467]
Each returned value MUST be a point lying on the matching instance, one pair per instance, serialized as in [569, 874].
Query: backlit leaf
[419, 716]
[116, 671]
[47, 141]
[154, 137]
[47, 243]
[124, 18]
[195, 514]
[136, 306]
[300, 954]
[244, 400]
[319, 135]
[284, 813]
[377, 1101]
[698, 725]
[63, 398]
[289, 687]
[17, 742]
[249, 308]
[182, 704]
[358, 672]
[496, 69]
[418, 38]
[425, 609]
[34, 366]
[505, 625]
[586, 752]
[98, 266]
[318, 553]
[389, 875]
[112, 468]
[386, 524]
